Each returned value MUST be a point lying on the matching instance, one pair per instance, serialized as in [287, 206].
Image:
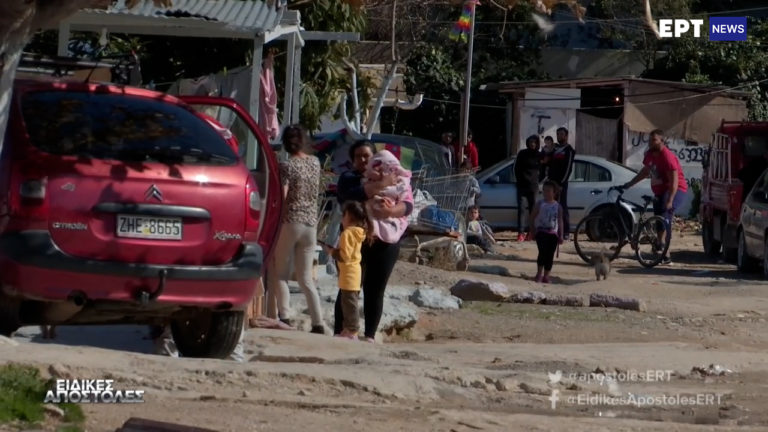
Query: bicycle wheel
[648, 249]
[596, 234]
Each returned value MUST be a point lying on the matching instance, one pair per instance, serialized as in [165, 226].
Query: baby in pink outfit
[381, 164]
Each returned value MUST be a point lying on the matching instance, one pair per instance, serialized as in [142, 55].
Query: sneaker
[287, 322]
[369, 340]
[347, 335]
[545, 279]
[521, 237]
[539, 278]
[318, 329]
[666, 260]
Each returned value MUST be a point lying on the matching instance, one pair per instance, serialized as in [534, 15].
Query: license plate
[149, 227]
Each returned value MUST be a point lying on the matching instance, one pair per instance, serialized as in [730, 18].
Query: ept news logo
[722, 29]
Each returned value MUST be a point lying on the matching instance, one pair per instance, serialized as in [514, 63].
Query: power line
[677, 99]
[587, 20]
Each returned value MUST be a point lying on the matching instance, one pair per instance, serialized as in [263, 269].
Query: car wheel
[711, 246]
[744, 262]
[209, 334]
[10, 320]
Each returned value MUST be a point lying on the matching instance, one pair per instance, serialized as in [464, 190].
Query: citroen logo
[153, 192]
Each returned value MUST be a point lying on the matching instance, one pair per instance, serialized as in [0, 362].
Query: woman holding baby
[378, 181]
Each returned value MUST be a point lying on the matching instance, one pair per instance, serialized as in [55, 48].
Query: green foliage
[322, 69]
[437, 67]
[22, 392]
[729, 64]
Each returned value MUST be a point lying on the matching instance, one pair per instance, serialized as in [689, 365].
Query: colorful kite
[461, 29]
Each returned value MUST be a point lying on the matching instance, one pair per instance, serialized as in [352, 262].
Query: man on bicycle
[667, 182]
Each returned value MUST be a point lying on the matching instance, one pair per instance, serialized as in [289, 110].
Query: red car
[122, 205]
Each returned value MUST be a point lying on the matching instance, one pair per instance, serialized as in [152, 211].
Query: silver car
[587, 190]
[753, 229]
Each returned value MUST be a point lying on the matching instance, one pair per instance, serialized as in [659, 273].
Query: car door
[754, 216]
[498, 202]
[255, 150]
[588, 182]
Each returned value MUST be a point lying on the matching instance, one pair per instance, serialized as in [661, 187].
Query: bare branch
[649, 19]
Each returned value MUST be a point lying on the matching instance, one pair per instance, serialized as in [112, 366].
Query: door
[255, 149]
[498, 203]
[754, 217]
[587, 184]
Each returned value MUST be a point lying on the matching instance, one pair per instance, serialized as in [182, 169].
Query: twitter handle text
[655, 375]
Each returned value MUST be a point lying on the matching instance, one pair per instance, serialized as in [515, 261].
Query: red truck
[736, 147]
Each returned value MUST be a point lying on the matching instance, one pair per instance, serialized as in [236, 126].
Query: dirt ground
[488, 366]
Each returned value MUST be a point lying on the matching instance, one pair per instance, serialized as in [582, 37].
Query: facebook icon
[728, 28]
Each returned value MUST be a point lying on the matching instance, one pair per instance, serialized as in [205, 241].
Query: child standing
[356, 228]
[547, 229]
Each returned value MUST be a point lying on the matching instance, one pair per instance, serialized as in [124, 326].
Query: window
[589, 172]
[506, 175]
[755, 146]
[120, 127]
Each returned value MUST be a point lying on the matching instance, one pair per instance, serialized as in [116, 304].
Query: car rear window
[121, 127]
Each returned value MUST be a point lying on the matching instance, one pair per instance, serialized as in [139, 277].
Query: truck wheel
[9, 315]
[208, 335]
[711, 246]
[744, 262]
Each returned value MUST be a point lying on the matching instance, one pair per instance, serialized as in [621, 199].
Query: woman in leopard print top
[300, 177]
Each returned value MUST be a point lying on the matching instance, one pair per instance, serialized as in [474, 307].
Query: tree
[18, 22]
[323, 70]
[436, 67]
[743, 64]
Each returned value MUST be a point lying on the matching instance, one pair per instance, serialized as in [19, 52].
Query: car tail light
[29, 207]
[252, 211]
[33, 189]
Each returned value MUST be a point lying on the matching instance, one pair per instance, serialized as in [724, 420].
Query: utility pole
[467, 85]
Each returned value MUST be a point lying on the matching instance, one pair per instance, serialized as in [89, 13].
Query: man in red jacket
[470, 152]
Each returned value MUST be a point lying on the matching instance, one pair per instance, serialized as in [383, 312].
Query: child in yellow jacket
[356, 229]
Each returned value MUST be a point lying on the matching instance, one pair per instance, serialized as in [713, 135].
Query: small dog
[602, 265]
[48, 331]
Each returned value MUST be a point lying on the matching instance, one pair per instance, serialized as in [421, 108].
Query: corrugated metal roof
[247, 17]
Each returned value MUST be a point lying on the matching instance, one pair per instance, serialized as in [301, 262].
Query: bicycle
[611, 226]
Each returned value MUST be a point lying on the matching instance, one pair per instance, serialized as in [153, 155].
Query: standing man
[527, 171]
[446, 145]
[667, 182]
[470, 152]
[559, 167]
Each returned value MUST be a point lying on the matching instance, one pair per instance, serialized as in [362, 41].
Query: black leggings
[379, 260]
[528, 194]
[547, 244]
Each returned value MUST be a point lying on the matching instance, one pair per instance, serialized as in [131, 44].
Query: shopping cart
[440, 216]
